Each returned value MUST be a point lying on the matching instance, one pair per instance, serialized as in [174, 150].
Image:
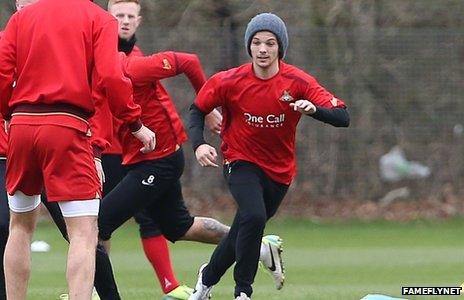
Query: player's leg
[157, 252]
[175, 220]
[71, 179]
[4, 224]
[114, 171]
[143, 184]
[105, 284]
[177, 224]
[271, 247]
[245, 184]
[121, 204]
[81, 223]
[206, 230]
[23, 178]
[24, 214]
[56, 215]
[246, 188]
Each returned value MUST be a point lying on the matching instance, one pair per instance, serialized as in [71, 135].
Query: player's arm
[322, 105]
[7, 66]
[101, 124]
[162, 65]
[208, 98]
[118, 88]
[336, 116]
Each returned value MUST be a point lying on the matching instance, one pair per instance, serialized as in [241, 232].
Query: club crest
[286, 97]
[166, 64]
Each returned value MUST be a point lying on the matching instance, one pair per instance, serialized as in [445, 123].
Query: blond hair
[113, 2]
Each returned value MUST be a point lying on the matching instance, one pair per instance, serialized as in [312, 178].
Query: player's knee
[82, 230]
[255, 220]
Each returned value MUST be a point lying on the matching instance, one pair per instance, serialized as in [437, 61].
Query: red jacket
[158, 110]
[52, 48]
[145, 73]
[3, 136]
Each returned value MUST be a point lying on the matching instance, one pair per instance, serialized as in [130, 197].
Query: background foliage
[398, 64]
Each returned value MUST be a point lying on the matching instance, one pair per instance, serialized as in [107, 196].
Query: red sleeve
[118, 88]
[7, 65]
[101, 124]
[319, 96]
[190, 65]
[210, 96]
[145, 69]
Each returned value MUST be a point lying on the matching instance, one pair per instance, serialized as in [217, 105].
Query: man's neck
[266, 73]
[126, 46]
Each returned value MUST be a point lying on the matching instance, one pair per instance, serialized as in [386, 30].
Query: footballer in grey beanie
[267, 22]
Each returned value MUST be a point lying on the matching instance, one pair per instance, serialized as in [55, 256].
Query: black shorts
[153, 187]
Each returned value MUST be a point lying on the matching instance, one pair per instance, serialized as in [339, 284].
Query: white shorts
[22, 203]
[79, 208]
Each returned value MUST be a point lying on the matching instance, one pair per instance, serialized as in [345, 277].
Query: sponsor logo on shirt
[286, 97]
[269, 121]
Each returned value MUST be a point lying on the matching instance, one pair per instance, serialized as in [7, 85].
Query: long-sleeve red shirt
[158, 111]
[259, 125]
[51, 48]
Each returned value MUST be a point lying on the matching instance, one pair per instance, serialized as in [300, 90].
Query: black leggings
[258, 198]
[153, 186]
[114, 173]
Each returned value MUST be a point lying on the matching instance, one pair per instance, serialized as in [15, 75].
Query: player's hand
[7, 126]
[100, 173]
[213, 121]
[147, 137]
[206, 156]
[304, 106]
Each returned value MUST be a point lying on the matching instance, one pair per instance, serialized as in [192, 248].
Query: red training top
[52, 48]
[259, 125]
[158, 111]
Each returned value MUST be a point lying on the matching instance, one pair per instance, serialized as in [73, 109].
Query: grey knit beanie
[267, 22]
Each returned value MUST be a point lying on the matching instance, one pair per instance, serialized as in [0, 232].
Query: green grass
[323, 261]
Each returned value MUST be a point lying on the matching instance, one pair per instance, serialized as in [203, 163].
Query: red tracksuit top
[52, 48]
[258, 124]
[3, 136]
[158, 110]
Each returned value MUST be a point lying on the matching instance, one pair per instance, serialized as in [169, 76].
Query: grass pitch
[323, 261]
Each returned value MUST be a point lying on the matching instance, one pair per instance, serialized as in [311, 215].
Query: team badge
[166, 64]
[286, 97]
[334, 101]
